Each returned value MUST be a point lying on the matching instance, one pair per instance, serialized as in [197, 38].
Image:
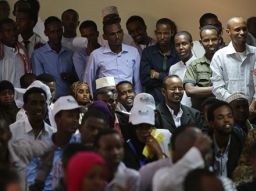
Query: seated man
[109, 145]
[125, 96]
[172, 114]
[137, 28]
[227, 143]
[146, 143]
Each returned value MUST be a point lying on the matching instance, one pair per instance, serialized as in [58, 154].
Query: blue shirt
[122, 66]
[80, 59]
[152, 59]
[47, 60]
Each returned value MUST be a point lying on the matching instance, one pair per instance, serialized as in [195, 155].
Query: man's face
[183, 47]
[111, 149]
[23, 22]
[137, 31]
[163, 34]
[70, 21]
[54, 32]
[237, 31]
[240, 110]
[173, 90]
[126, 95]
[113, 34]
[90, 128]
[108, 95]
[6, 97]
[9, 34]
[36, 107]
[223, 122]
[67, 121]
[90, 33]
[210, 41]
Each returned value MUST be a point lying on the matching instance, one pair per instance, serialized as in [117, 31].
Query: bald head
[237, 31]
[235, 20]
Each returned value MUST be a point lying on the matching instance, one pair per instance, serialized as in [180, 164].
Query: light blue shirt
[124, 65]
[80, 59]
[46, 60]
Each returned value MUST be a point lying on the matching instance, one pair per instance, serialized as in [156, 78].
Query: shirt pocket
[204, 79]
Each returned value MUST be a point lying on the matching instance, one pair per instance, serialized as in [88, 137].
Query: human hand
[154, 74]
[154, 147]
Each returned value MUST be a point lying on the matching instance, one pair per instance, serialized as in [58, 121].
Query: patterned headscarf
[75, 86]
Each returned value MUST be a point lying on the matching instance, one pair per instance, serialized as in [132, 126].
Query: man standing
[172, 113]
[197, 78]
[137, 28]
[183, 46]
[156, 60]
[232, 66]
[54, 59]
[114, 59]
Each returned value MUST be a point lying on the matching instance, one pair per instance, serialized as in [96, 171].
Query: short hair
[88, 24]
[215, 106]
[44, 77]
[94, 112]
[32, 7]
[204, 17]
[32, 91]
[186, 33]
[209, 27]
[50, 20]
[70, 11]
[195, 176]
[166, 21]
[24, 79]
[103, 132]
[175, 134]
[111, 20]
[124, 82]
[6, 85]
[7, 176]
[136, 18]
[70, 150]
[251, 22]
[6, 21]
[169, 77]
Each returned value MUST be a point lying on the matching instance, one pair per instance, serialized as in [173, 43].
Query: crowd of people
[125, 112]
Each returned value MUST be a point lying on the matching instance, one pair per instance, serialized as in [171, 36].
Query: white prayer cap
[109, 10]
[105, 82]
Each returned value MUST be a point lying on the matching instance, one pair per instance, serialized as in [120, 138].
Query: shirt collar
[106, 49]
[216, 147]
[204, 59]
[231, 49]
[156, 50]
[49, 49]
[29, 129]
[20, 39]
[179, 114]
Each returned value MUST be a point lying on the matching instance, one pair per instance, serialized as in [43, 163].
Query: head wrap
[79, 166]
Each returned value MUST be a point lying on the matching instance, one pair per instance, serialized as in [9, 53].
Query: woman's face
[95, 180]
[83, 94]
[6, 97]
[142, 132]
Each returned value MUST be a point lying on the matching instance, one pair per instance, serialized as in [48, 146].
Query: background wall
[185, 13]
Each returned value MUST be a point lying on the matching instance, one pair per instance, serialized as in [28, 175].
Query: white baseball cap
[105, 82]
[64, 103]
[143, 110]
[109, 10]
